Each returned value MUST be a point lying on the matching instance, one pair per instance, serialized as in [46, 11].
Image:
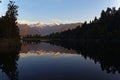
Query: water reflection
[61, 61]
[70, 61]
[8, 64]
[43, 48]
[106, 54]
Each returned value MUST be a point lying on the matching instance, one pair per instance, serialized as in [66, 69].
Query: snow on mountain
[45, 29]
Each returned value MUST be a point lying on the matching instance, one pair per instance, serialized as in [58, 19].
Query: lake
[52, 61]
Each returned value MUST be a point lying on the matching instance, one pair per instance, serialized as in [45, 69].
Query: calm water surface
[45, 61]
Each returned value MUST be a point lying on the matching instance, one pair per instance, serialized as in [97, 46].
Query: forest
[9, 31]
[104, 28]
[8, 24]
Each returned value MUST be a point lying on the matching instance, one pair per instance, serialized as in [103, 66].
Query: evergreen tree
[107, 27]
[8, 24]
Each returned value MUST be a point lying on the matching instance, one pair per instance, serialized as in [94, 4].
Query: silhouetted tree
[8, 24]
[106, 27]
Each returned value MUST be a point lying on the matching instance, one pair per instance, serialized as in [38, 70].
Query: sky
[59, 11]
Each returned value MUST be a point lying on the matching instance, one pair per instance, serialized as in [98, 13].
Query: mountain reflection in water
[62, 61]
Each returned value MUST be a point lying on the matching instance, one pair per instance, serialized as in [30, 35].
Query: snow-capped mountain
[45, 29]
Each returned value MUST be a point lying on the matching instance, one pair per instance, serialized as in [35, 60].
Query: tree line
[106, 27]
[32, 36]
[8, 24]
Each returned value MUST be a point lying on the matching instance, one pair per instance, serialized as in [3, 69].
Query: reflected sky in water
[45, 61]
[50, 62]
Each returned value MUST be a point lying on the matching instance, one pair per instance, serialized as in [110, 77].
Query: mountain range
[45, 29]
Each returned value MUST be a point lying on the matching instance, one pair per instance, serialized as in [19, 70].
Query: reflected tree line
[107, 54]
[31, 42]
[8, 64]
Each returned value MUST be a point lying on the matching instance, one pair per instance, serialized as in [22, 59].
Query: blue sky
[59, 11]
